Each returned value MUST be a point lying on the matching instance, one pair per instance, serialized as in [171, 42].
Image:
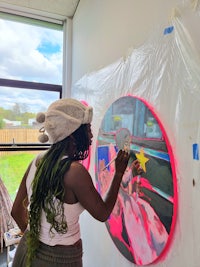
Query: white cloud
[19, 55]
[34, 100]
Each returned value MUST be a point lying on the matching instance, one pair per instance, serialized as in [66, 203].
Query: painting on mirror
[143, 219]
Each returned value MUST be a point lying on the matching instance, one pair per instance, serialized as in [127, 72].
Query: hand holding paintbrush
[123, 140]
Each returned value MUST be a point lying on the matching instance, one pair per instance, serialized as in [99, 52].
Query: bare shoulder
[76, 174]
[77, 165]
[77, 168]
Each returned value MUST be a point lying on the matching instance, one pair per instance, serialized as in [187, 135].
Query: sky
[32, 100]
[29, 53]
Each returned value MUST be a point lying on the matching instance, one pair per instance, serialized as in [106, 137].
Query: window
[31, 64]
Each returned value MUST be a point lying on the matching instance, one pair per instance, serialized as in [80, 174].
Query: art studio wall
[148, 51]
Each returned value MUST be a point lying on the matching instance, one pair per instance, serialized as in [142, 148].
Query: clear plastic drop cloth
[165, 73]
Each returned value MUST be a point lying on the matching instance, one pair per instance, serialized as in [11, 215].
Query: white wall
[103, 32]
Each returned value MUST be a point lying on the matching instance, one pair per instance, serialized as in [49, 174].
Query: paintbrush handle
[108, 164]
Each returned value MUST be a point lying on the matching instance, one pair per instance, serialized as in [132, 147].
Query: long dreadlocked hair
[48, 187]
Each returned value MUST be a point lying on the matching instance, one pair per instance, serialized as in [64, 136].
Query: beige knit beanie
[62, 118]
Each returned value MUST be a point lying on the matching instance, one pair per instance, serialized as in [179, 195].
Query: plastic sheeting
[165, 72]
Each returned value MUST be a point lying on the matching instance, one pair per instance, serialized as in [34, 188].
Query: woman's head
[63, 118]
[76, 146]
[81, 141]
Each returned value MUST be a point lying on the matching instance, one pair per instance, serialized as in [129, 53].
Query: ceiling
[65, 8]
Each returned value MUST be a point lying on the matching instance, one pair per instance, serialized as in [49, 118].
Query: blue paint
[151, 152]
[103, 154]
[168, 30]
[195, 151]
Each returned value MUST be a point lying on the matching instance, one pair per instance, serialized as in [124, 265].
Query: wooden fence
[9, 136]
[18, 136]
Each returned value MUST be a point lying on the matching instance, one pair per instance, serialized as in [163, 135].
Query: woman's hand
[136, 168]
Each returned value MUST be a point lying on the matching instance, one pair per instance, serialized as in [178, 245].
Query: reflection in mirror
[143, 218]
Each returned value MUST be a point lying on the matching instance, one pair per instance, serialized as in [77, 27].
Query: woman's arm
[19, 210]
[80, 182]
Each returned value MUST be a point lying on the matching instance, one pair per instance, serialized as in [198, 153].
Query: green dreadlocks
[48, 187]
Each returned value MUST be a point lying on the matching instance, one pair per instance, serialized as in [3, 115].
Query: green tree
[17, 109]
[2, 124]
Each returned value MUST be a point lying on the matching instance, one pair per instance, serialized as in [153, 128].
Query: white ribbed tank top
[71, 211]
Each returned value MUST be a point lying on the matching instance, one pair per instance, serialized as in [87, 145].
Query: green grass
[12, 169]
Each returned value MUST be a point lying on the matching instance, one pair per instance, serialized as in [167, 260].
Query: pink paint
[86, 162]
[148, 239]
[173, 164]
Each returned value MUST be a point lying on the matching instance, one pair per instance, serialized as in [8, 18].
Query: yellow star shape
[142, 159]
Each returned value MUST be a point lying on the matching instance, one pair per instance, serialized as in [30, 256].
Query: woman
[56, 188]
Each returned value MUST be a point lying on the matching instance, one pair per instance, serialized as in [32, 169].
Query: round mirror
[143, 219]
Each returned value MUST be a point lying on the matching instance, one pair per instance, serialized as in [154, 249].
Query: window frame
[33, 86]
[32, 17]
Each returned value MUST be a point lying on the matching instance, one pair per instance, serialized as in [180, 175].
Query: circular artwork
[142, 221]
